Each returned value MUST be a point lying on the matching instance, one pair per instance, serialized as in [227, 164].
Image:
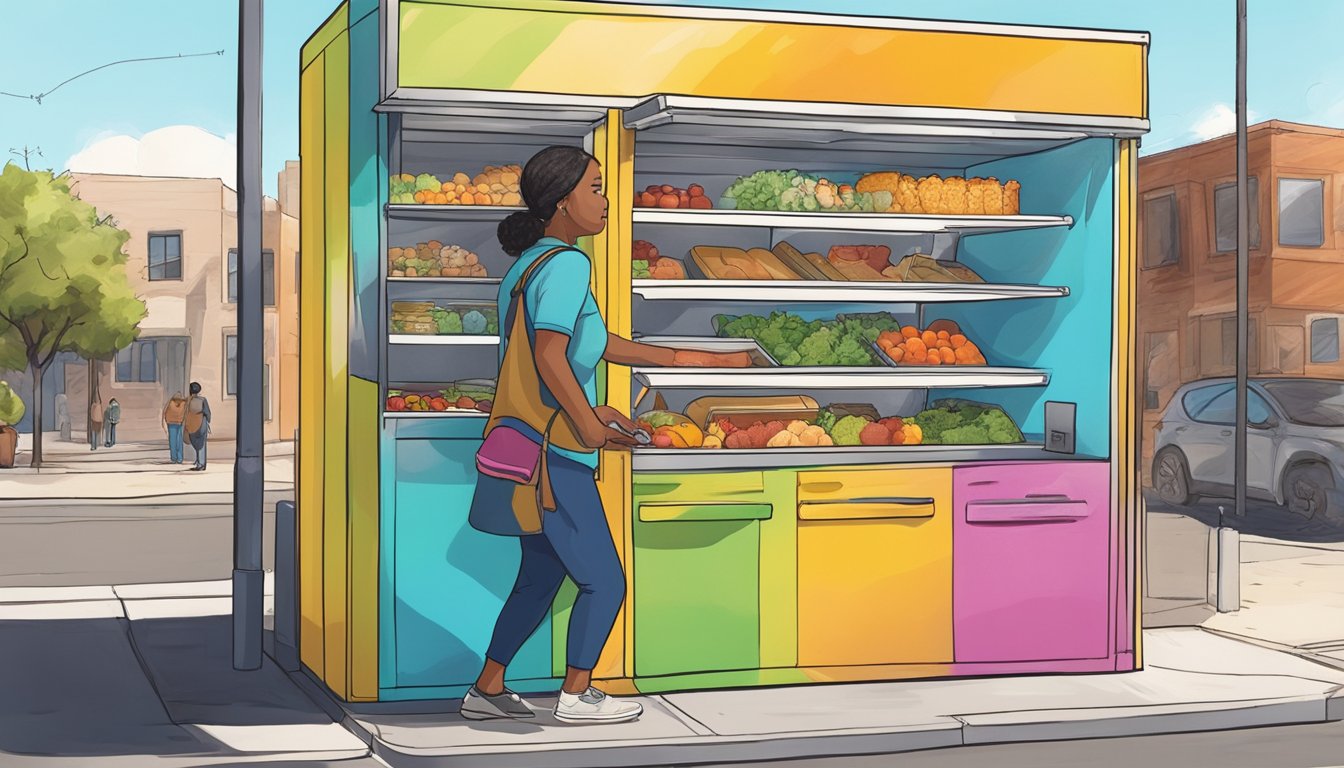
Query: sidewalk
[133, 473]
[129, 676]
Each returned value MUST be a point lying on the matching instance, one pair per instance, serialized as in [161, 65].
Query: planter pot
[9, 443]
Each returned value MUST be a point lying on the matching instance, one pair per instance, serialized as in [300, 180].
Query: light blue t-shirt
[559, 299]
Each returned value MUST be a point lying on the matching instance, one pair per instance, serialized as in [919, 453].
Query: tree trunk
[38, 373]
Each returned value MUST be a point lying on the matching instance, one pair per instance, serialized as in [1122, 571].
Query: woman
[562, 188]
[197, 424]
[95, 423]
[174, 413]
[112, 417]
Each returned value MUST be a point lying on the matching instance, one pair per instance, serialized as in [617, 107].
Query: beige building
[183, 265]
[1187, 250]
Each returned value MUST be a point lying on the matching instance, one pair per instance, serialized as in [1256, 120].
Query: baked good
[931, 194]
[1011, 193]
[993, 197]
[954, 196]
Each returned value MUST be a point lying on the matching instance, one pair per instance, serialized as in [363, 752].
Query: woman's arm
[623, 351]
[552, 360]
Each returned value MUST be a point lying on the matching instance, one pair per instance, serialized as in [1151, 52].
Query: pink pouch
[508, 454]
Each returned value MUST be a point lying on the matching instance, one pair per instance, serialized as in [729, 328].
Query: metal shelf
[719, 459]
[819, 291]
[801, 378]
[449, 340]
[444, 280]
[425, 212]
[451, 414]
[848, 222]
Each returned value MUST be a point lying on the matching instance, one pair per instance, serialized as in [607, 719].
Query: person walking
[95, 423]
[63, 416]
[550, 316]
[174, 413]
[197, 424]
[111, 417]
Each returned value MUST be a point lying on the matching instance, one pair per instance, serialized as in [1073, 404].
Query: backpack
[195, 415]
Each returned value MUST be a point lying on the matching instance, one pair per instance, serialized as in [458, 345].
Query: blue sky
[1296, 63]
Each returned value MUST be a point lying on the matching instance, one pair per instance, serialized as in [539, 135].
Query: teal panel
[696, 601]
[1070, 336]
[368, 187]
[450, 579]
[387, 558]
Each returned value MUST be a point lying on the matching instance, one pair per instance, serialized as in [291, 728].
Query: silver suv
[1294, 444]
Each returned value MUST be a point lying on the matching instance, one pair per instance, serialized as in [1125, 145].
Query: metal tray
[887, 361]
[759, 357]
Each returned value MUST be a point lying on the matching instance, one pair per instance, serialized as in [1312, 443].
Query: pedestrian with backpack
[112, 416]
[174, 414]
[197, 424]
[95, 423]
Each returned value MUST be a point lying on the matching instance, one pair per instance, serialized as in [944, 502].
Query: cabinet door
[697, 579]
[450, 579]
[1032, 573]
[875, 567]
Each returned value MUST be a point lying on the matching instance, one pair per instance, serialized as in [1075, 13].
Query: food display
[942, 343]
[812, 266]
[496, 185]
[458, 397]
[962, 422]
[668, 196]
[672, 430]
[722, 263]
[648, 264]
[794, 341]
[952, 196]
[918, 268]
[434, 259]
[791, 190]
[424, 317]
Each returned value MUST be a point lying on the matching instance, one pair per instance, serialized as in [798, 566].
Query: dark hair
[547, 179]
[195, 388]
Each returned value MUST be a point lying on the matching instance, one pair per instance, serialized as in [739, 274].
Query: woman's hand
[694, 358]
[606, 414]
[594, 433]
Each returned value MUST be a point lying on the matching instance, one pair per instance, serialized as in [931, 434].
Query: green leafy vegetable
[846, 431]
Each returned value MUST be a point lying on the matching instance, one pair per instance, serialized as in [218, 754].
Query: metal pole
[248, 579]
[1229, 582]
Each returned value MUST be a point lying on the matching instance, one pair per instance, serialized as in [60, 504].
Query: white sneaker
[594, 706]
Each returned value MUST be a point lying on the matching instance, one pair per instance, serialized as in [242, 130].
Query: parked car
[1294, 444]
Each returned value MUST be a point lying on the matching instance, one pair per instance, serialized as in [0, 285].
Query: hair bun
[519, 231]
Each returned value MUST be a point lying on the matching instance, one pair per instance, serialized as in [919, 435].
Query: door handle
[1225, 432]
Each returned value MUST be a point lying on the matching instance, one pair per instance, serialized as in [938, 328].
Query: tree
[63, 283]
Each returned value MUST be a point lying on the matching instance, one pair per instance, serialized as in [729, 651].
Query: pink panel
[1032, 561]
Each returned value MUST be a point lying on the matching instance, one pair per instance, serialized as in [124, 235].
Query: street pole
[1229, 549]
[248, 579]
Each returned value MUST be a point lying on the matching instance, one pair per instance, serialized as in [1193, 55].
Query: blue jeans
[574, 540]
[175, 443]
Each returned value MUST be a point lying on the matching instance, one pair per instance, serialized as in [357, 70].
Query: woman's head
[557, 182]
[195, 388]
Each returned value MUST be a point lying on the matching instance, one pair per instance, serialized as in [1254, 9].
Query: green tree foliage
[63, 283]
[11, 407]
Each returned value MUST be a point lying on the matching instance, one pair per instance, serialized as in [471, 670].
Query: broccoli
[970, 434]
[448, 322]
[846, 431]
[425, 182]
[473, 322]
[999, 427]
[825, 419]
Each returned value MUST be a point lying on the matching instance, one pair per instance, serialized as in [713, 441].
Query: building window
[267, 277]
[1162, 232]
[266, 390]
[1218, 346]
[165, 256]
[1302, 212]
[138, 362]
[1218, 405]
[1288, 349]
[1325, 340]
[1162, 373]
[1225, 215]
[231, 365]
[1229, 345]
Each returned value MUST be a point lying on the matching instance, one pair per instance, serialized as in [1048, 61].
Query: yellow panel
[863, 510]
[312, 311]
[337, 253]
[878, 591]
[1131, 519]
[629, 51]
[853, 484]
[363, 542]
[333, 26]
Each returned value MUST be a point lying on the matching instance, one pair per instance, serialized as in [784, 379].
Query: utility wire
[40, 96]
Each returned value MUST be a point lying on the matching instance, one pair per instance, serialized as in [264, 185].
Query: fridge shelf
[719, 459]
[444, 280]
[451, 414]
[425, 212]
[818, 291]
[847, 222]
[448, 340]
[799, 378]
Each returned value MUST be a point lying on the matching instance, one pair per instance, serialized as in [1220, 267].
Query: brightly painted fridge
[928, 469]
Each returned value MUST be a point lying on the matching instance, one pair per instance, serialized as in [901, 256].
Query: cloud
[1219, 120]
[176, 150]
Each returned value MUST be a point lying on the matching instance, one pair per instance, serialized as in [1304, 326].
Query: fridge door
[874, 567]
[1032, 572]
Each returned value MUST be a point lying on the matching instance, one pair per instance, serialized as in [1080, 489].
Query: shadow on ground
[1261, 519]
[108, 687]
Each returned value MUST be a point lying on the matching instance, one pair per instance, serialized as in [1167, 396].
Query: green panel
[779, 572]
[693, 487]
[661, 513]
[335, 24]
[696, 597]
